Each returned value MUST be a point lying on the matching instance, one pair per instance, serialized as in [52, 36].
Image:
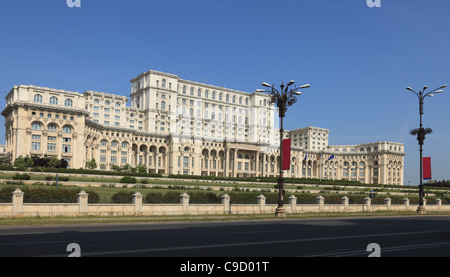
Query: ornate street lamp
[421, 133]
[284, 98]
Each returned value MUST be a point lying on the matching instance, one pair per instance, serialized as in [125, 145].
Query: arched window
[96, 101]
[114, 143]
[184, 90]
[246, 101]
[220, 97]
[240, 100]
[163, 105]
[199, 93]
[67, 129]
[125, 144]
[234, 99]
[68, 103]
[206, 94]
[104, 142]
[37, 98]
[53, 100]
[227, 98]
[36, 126]
[52, 128]
[107, 103]
[117, 104]
[213, 95]
[163, 83]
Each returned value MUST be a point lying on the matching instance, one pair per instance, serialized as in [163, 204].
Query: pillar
[17, 201]
[137, 201]
[83, 202]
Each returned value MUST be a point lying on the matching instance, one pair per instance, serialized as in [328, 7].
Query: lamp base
[421, 210]
[280, 212]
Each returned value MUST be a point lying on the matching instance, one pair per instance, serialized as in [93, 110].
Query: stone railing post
[82, 200]
[137, 201]
[184, 201]
[320, 201]
[387, 202]
[225, 200]
[368, 203]
[261, 200]
[345, 200]
[406, 202]
[438, 202]
[293, 202]
[17, 202]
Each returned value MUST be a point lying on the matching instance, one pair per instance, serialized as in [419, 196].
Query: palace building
[176, 126]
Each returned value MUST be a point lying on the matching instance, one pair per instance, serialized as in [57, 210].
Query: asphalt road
[421, 236]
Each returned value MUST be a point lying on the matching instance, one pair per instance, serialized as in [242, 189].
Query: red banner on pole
[426, 168]
[286, 154]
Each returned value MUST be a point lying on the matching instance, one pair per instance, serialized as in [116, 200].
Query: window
[67, 129]
[51, 147]
[185, 161]
[114, 144]
[50, 138]
[53, 100]
[52, 128]
[68, 103]
[35, 146]
[163, 105]
[36, 126]
[37, 98]
[96, 101]
[107, 103]
[124, 144]
[163, 83]
[38, 137]
[104, 142]
[66, 148]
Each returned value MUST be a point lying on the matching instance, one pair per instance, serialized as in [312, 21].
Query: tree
[54, 162]
[19, 162]
[141, 168]
[91, 164]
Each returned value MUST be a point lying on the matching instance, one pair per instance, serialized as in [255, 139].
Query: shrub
[128, 180]
[23, 176]
[60, 178]
[122, 197]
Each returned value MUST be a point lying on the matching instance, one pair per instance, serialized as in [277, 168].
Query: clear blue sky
[357, 59]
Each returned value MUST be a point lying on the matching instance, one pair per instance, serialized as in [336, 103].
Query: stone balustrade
[20, 209]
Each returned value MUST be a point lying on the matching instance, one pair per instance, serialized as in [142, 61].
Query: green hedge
[173, 197]
[122, 197]
[128, 180]
[46, 195]
[19, 176]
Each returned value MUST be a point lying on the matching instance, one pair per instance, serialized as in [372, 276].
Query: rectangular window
[35, 146]
[51, 147]
[102, 158]
[123, 160]
[185, 161]
[66, 148]
[113, 159]
[38, 137]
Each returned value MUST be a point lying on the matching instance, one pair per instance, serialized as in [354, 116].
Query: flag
[286, 154]
[331, 157]
[306, 156]
[426, 168]
[318, 157]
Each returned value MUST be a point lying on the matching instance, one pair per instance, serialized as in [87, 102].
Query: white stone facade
[176, 126]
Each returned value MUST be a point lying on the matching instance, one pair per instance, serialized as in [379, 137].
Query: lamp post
[284, 98]
[421, 133]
